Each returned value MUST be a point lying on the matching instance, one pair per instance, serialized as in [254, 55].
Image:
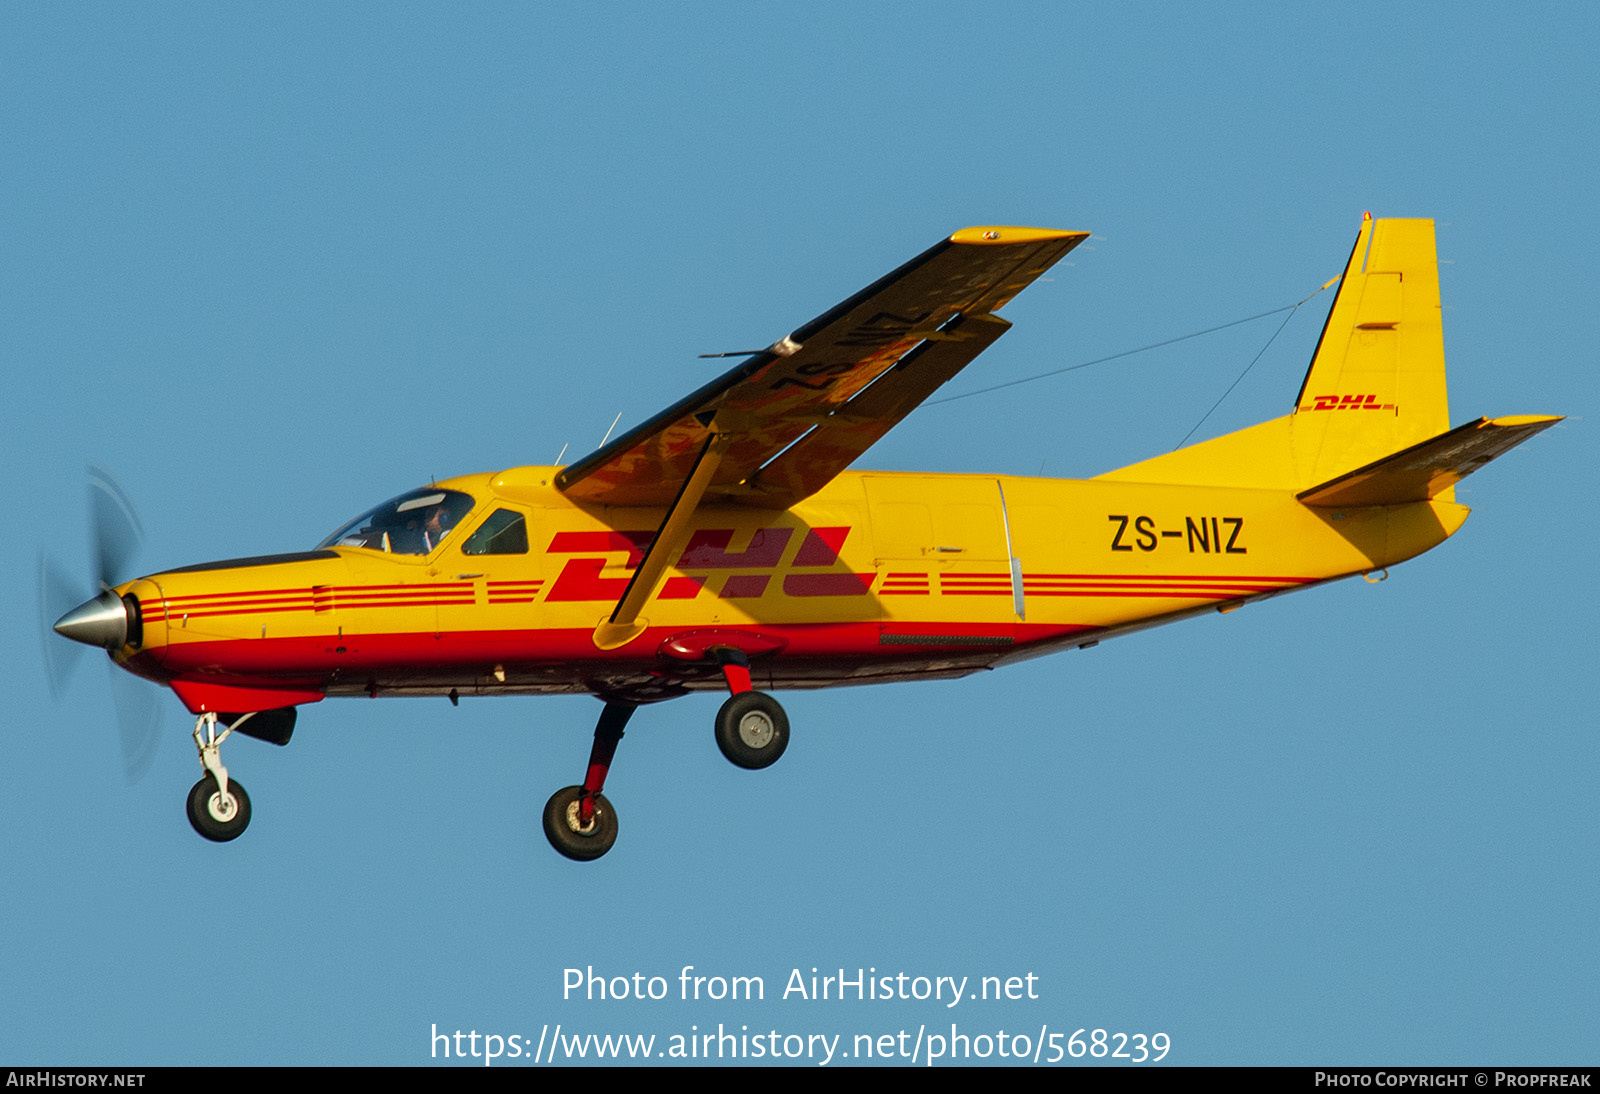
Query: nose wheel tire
[752, 730]
[216, 816]
[567, 833]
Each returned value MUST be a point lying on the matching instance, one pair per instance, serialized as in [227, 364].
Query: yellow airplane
[724, 544]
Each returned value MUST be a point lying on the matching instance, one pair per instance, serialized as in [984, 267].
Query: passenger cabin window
[504, 533]
[413, 524]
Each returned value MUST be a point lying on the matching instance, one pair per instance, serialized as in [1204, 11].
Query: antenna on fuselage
[563, 452]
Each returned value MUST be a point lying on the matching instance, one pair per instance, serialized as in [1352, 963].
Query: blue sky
[273, 265]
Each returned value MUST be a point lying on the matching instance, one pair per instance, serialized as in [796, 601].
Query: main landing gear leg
[752, 729]
[578, 820]
[219, 809]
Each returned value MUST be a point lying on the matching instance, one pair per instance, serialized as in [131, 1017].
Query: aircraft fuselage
[880, 576]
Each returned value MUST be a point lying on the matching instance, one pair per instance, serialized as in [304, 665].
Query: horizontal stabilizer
[1424, 470]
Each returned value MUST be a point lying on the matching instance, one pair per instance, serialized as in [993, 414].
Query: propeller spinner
[102, 621]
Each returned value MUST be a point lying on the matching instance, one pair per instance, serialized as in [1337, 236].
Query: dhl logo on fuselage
[580, 578]
[1347, 402]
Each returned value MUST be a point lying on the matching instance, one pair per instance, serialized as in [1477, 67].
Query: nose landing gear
[219, 815]
[219, 809]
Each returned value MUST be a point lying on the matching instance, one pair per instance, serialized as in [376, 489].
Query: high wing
[793, 416]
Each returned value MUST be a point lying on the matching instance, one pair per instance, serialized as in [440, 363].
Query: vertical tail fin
[1376, 384]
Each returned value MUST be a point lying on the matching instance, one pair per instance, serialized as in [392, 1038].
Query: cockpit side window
[413, 524]
[504, 533]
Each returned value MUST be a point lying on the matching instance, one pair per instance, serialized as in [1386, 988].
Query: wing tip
[1001, 233]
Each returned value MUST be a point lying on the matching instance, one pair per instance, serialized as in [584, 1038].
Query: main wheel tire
[568, 836]
[217, 817]
[752, 730]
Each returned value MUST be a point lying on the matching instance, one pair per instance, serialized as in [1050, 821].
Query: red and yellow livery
[724, 544]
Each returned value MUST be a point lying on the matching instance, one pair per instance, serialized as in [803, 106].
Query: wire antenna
[1125, 353]
[1248, 367]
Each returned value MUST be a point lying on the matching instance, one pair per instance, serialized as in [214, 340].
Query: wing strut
[624, 624]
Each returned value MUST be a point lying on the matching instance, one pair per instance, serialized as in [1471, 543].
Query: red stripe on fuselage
[466, 657]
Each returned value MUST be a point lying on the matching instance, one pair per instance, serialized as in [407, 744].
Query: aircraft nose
[102, 621]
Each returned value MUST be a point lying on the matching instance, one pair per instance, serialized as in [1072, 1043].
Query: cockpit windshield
[413, 524]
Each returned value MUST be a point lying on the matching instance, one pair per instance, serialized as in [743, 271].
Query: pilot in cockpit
[437, 524]
[412, 524]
